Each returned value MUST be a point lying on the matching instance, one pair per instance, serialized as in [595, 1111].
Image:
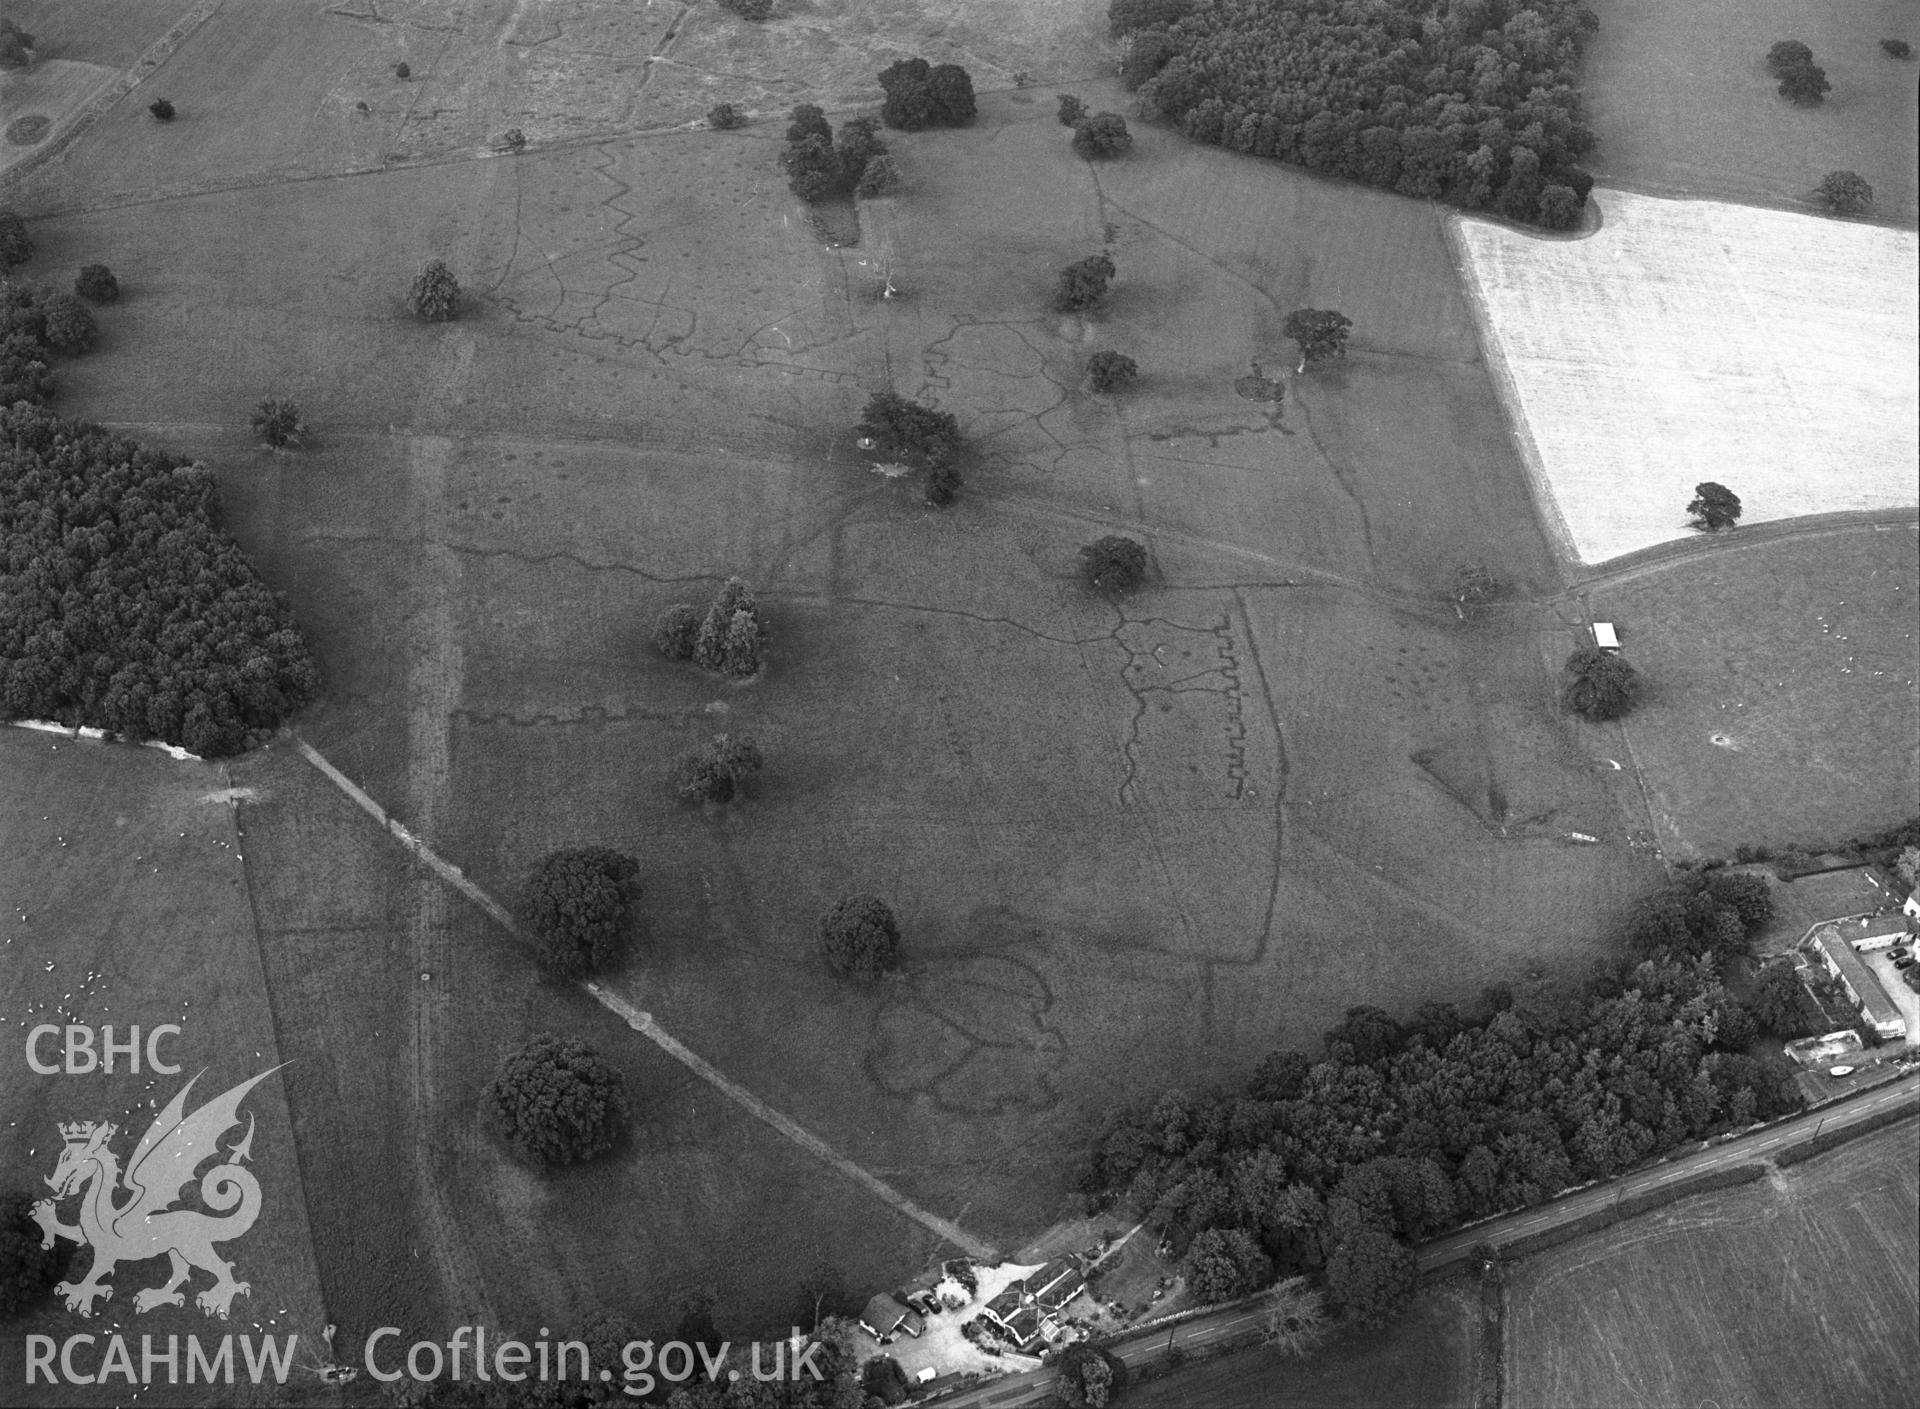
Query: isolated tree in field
[1805, 85]
[70, 328]
[16, 246]
[1114, 565]
[579, 904]
[95, 283]
[1102, 135]
[950, 89]
[1071, 110]
[860, 937]
[711, 643]
[1370, 1276]
[718, 772]
[16, 45]
[27, 1270]
[899, 426]
[1897, 48]
[920, 95]
[1111, 371]
[1599, 685]
[1845, 192]
[1713, 507]
[1786, 55]
[557, 1101]
[434, 294]
[403, 70]
[162, 110]
[676, 629]
[723, 117]
[1223, 1263]
[1083, 284]
[808, 120]
[1294, 1318]
[278, 420]
[1474, 585]
[881, 178]
[1319, 333]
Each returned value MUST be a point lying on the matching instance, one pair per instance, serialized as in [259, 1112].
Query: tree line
[1472, 102]
[1404, 1129]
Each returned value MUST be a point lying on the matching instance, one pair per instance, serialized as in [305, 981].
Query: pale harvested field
[1690, 341]
[1802, 1289]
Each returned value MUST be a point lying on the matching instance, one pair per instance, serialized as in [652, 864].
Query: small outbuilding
[1605, 637]
[884, 1317]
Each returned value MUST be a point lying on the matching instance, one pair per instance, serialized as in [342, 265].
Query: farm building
[884, 1316]
[1860, 982]
[1605, 637]
[1819, 1051]
[1056, 1284]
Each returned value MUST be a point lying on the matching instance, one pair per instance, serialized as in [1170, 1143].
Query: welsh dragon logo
[145, 1224]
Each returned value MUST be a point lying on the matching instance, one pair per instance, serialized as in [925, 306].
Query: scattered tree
[70, 326]
[1559, 207]
[1474, 585]
[859, 144]
[884, 1380]
[1102, 135]
[860, 937]
[1320, 333]
[434, 294]
[161, 109]
[513, 139]
[1370, 1276]
[1295, 1318]
[16, 246]
[813, 166]
[1114, 565]
[1071, 110]
[579, 903]
[1787, 55]
[676, 630]
[1089, 1376]
[1897, 48]
[1713, 507]
[920, 95]
[1224, 1263]
[943, 481]
[16, 45]
[95, 282]
[732, 636]
[1111, 371]
[402, 70]
[1083, 284]
[1781, 1003]
[27, 1270]
[723, 117]
[557, 1101]
[881, 178]
[278, 420]
[1599, 685]
[897, 426]
[1805, 85]
[808, 120]
[718, 772]
[1845, 192]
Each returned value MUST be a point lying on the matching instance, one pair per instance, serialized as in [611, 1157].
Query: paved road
[1032, 1386]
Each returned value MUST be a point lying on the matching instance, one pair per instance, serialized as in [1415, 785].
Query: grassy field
[1781, 678]
[1688, 341]
[1131, 845]
[1424, 1359]
[1799, 1289]
[125, 902]
[1679, 96]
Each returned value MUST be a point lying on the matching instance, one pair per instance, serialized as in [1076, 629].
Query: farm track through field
[435, 866]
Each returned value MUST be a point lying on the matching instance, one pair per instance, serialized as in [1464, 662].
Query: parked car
[1899, 952]
[1840, 1071]
[1905, 963]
